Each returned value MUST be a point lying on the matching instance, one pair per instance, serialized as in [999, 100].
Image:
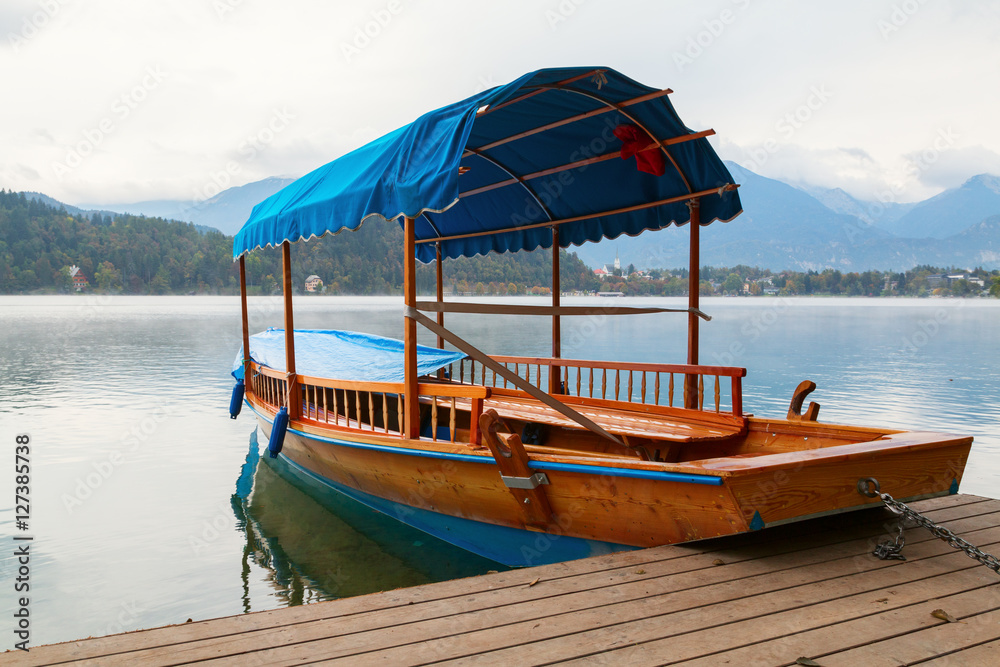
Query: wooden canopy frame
[556, 311]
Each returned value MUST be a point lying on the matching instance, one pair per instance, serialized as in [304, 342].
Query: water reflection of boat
[318, 545]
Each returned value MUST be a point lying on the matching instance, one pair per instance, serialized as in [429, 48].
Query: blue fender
[236, 402]
[278, 429]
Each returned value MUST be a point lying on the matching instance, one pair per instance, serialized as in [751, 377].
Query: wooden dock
[809, 590]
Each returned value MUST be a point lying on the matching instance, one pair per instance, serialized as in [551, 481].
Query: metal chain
[889, 550]
[869, 487]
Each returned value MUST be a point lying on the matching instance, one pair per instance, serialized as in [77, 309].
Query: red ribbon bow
[648, 156]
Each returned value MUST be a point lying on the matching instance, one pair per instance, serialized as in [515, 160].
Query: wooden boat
[530, 460]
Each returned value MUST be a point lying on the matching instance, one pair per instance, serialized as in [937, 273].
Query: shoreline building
[609, 269]
[80, 281]
[314, 283]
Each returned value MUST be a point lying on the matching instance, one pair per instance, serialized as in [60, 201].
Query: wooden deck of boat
[628, 422]
[807, 590]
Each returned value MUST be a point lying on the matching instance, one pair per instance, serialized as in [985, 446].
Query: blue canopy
[342, 355]
[494, 171]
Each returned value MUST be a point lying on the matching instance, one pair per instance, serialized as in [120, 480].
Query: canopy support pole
[293, 400]
[694, 282]
[439, 294]
[555, 373]
[246, 321]
[411, 409]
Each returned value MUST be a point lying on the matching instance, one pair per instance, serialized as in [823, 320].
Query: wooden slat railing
[374, 407]
[630, 382]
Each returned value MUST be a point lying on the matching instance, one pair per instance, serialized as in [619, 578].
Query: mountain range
[782, 227]
[787, 227]
[226, 211]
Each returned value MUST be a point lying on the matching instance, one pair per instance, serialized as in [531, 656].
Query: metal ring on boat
[865, 486]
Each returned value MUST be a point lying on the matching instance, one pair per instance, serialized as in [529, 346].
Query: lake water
[141, 506]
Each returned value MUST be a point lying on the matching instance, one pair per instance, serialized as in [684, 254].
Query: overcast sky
[114, 101]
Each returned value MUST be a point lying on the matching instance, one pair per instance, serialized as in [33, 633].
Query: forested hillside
[139, 255]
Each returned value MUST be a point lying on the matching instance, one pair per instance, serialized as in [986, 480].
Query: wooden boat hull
[600, 506]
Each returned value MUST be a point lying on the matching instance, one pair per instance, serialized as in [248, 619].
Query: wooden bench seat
[620, 422]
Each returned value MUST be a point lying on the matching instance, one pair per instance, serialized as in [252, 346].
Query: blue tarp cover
[414, 171]
[342, 355]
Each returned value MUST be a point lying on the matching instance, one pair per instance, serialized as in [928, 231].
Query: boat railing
[373, 407]
[630, 382]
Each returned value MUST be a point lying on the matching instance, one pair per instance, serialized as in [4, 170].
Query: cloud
[13, 15]
[953, 167]
[24, 171]
[42, 135]
[851, 168]
[228, 70]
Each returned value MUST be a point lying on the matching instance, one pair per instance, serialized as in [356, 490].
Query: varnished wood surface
[628, 422]
[638, 512]
[768, 598]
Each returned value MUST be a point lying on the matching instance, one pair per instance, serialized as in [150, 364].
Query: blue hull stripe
[626, 472]
[534, 465]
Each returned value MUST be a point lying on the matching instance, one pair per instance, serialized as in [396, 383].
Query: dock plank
[983, 655]
[534, 620]
[823, 644]
[756, 545]
[808, 589]
[557, 596]
[686, 634]
[942, 637]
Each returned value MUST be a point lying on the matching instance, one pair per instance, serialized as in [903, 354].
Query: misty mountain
[54, 203]
[167, 209]
[72, 210]
[781, 227]
[951, 211]
[226, 211]
[880, 214]
[802, 229]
